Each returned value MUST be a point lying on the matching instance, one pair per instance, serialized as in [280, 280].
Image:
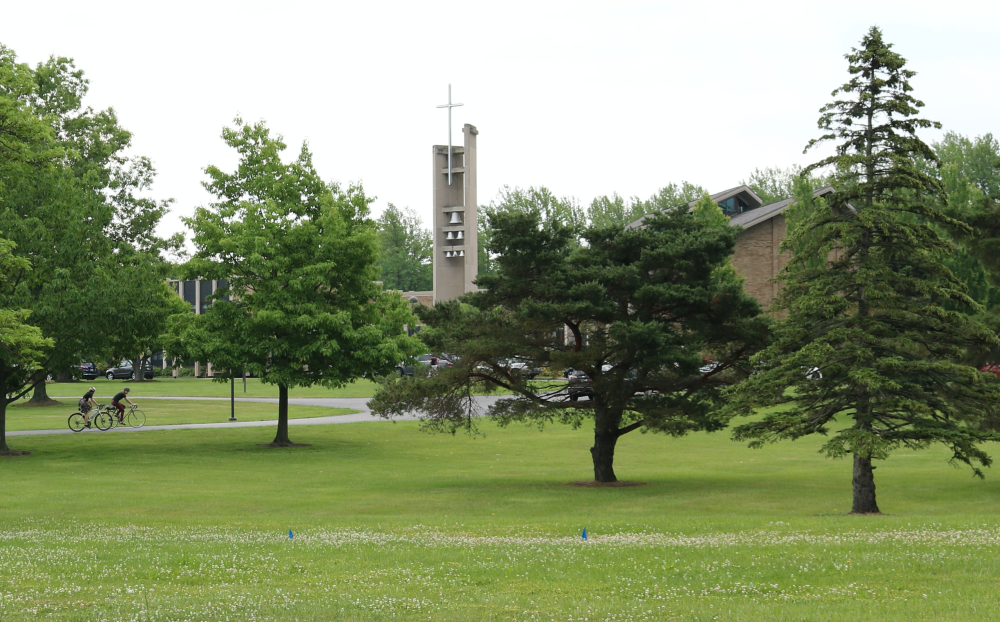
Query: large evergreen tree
[870, 344]
[637, 310]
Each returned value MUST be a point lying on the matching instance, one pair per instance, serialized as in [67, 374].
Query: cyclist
[116, 402]
[86, 403]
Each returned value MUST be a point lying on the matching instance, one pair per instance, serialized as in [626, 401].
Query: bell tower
[456, 247]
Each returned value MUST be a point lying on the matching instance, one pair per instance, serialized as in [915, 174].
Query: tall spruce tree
[870, 344]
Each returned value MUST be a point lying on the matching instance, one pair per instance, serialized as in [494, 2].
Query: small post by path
[232, 397]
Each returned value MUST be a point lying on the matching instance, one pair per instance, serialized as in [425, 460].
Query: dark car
[88, 371]
[124, 371]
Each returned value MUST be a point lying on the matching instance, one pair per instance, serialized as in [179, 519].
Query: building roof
[756, 216]
[751, 217]
[748, 195]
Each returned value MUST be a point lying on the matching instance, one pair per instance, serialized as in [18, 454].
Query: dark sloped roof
[759, 215]
[751, 217]
[717, 197]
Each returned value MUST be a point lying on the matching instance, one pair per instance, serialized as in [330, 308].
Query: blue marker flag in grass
[290, 536]
[584, 536]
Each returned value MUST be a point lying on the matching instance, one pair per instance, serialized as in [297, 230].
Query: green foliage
[774, 184]
[607, 211]
[873, 319]
[405, 248]
[970, 175]
[300, 255]
[539, 200]
[642, 308]
[73, 203]
[22, 346]
[708, 211]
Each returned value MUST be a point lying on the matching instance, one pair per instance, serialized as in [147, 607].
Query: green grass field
[202, 387]
[165, 412]
[394, 524]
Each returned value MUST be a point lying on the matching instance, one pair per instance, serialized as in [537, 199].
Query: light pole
[232, 397]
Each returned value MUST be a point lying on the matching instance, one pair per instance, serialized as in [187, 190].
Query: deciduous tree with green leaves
[77, 216]
[405, 247]
[304, 306]
[640, 308]
[774, 184]
[22, 346]
[869, 346]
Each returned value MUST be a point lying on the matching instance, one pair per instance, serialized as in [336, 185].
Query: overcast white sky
[587, 98]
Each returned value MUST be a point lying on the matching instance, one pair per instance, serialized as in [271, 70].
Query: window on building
[222, 285]
[206, 291]
[189, 294]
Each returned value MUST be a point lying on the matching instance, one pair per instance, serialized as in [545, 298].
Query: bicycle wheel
[76, 422]
[101, 421]
[136, 419]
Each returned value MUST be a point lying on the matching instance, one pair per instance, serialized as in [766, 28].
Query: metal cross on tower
[449, 106]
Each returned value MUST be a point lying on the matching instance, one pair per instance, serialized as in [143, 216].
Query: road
[356, 403]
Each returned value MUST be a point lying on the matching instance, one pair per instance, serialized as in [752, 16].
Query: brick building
[757, 256]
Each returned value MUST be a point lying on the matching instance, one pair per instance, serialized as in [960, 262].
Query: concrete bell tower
[456, 244]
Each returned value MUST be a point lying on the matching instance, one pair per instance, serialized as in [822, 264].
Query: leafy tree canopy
[300, 257]
[774, 184]
[405, 248]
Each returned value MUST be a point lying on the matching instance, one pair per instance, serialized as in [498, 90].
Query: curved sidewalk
[356, 403]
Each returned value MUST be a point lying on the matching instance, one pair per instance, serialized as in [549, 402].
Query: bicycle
[132, 417]
[98, 419]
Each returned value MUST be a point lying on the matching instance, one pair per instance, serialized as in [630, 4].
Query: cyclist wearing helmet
[116, 402]
[86, 403]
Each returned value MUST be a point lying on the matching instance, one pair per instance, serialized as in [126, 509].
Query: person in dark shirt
[116, 402]
[86, 403]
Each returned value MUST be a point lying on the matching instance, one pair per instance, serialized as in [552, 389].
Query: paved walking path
[356, 403]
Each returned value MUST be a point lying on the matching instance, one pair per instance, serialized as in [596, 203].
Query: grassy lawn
[394, 524]
[201, 387]
[165, 412]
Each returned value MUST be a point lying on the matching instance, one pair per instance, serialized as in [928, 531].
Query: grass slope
[165, 412]
[391, 523]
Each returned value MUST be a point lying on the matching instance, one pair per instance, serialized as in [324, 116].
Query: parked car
[124, 371]
[991, 369]
[424, 359]
[88, 371]
[518, 366]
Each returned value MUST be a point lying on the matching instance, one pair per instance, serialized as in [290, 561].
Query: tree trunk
[605, 439]
[281, 438]
[864, 486]
[139, 368]
[40, 397]
[3, 425]
[603, 453]
[3, 413]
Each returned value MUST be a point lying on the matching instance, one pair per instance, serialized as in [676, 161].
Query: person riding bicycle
[86, 403]
[116, 402]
